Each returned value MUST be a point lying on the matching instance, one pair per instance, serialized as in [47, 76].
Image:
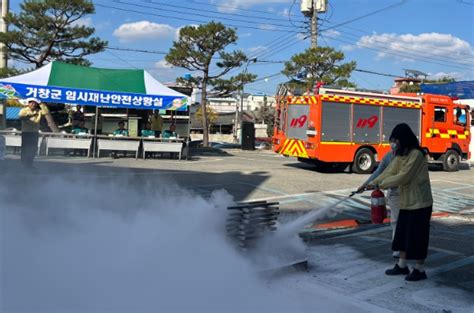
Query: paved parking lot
[347, 262]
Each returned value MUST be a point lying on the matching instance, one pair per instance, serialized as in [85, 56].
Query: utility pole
[314, 26]
[239, 114]
[4, 29]
[310, 9]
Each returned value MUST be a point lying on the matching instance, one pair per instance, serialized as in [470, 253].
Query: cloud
[285, 12]
[245, 35]
[179, 29]
[162, 64]
[267, 27]
[301, 36]
[257, 49]
[332, 33]
[85, 21]
[143, 30]
[407, 47]
[438, 75]
[234, 5]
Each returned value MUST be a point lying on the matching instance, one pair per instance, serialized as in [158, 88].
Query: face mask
[393, 146]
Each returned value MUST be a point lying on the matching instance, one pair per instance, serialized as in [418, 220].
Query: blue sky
[386, 36]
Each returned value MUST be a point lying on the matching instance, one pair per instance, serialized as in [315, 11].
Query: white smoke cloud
[87, 245]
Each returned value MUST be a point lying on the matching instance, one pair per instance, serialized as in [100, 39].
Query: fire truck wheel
[364, 161]
[450, 161]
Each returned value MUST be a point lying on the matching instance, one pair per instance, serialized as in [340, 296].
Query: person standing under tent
[30, 117]
[409, 172]
[76, 116]
[393, 196]
[156, 123]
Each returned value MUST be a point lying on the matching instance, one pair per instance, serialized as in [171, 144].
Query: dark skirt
[412, 234]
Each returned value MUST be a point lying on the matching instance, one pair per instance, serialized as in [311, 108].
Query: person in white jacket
[392, 196]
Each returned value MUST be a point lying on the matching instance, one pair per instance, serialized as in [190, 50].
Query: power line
[232, 7]
[136, 50]
[285, 46]
[375, 73]
[198, 14]
[266, 77]
[164, 53]
[389, 52]
[367, 15]
[406, 48]
[269, 46]
[400, 53]
[365, 80]
[189, 19]
[289, 12]
[215, 12]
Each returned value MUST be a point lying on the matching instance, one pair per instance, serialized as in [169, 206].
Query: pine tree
[195, 50]
[50, 30]
[321, 64]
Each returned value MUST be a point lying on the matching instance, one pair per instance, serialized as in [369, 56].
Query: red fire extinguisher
[378, 208]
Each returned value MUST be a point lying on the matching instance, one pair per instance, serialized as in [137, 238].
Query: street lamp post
[239, 113]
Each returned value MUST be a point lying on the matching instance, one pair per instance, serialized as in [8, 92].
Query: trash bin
[248, 136]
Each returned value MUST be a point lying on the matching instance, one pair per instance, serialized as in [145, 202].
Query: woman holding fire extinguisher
[409, 173]
[392, 195]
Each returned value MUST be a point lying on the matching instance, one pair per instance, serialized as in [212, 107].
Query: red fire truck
[337, 127]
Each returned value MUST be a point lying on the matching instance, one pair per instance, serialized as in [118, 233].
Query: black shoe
[397, 270]
[416, 275]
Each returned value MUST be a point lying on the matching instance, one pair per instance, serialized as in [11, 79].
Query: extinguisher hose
[295, 226]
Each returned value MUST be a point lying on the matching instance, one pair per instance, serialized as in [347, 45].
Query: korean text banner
[92, 97]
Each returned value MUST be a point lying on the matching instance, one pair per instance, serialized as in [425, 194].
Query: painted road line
[452, 266]
[291, 201]
[460, 188]
[438, 192]
[371, 273]
[453, 182]
[332, 292]
[451, 252]
[283, 195]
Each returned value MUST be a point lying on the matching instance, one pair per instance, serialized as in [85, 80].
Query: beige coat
[410, 174]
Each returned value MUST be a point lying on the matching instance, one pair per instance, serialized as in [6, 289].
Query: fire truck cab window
[459, 116]
[440, 114]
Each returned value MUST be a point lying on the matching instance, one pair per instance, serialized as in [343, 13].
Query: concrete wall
[214, 137]
[260, 131]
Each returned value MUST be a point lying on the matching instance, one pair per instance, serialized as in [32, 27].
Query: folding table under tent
[60, 82]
